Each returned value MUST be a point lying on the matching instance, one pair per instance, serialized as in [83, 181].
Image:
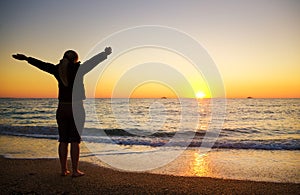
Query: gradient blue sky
[255, 43]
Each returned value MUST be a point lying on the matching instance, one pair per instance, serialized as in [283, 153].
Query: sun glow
[200, 95]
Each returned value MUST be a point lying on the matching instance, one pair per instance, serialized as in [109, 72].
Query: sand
[42, 176]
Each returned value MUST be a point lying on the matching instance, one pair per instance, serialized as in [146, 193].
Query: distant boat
[163, 97]
[249, 97]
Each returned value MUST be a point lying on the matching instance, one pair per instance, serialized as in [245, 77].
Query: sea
[254, 139]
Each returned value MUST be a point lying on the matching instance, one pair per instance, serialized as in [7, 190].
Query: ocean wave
[292, 144]
[157, 139]
[245, 130]
[275, 144]
[30, 131]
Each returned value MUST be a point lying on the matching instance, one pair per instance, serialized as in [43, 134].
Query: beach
[41, 176]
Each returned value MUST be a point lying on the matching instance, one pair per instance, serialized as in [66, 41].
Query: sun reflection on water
[200, 164]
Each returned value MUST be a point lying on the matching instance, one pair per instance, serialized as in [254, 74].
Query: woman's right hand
[20, 56]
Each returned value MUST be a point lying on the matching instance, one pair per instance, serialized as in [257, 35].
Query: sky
[255, 44]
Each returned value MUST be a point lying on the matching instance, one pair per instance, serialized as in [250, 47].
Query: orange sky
[254, 44]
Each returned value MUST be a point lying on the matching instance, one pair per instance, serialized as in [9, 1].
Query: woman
[69, 73]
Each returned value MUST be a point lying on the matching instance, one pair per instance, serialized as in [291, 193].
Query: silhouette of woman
[70, 125]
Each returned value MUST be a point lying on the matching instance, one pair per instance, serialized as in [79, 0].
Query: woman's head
[71, 55]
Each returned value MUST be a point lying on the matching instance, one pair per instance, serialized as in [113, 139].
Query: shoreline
[252, 165]
[42, 176]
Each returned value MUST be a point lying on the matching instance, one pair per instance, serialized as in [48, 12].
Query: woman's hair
[71, 56]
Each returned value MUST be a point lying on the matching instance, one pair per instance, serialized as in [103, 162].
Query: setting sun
[200, 95]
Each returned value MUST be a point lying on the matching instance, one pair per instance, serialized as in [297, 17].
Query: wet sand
[38, 176]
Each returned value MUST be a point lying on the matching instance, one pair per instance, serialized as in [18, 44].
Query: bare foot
[65, 173]
[77, 174]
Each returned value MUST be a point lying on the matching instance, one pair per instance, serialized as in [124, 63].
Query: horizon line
[157, 98]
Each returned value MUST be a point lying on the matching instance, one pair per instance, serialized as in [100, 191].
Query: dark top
[76, 71]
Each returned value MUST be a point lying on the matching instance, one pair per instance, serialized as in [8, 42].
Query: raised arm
[94, 61]
[47, 67]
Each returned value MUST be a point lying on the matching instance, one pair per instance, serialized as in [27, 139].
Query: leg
[75, 132]
[75, 150]
[63, 141]
[63, 156]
